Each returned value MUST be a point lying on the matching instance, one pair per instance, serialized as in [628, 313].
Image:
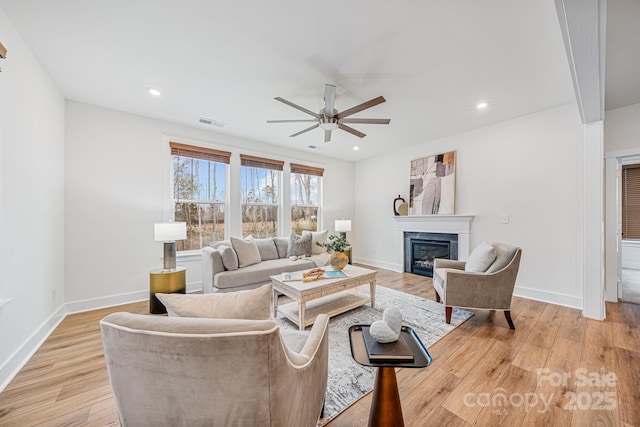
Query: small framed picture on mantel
[432, 185]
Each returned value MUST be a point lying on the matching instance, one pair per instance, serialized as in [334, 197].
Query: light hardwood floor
[65, 383]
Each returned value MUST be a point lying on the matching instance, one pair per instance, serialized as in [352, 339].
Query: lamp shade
[343, 225]
[169, 231]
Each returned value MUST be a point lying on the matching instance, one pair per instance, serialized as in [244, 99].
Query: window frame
[199, 152]
[298, 169]
[248, 161]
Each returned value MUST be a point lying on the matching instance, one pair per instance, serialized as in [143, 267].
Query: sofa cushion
[247, 251]
[282, 244]
[267, 248]
[254, 304]
[317, 236]
[504, 255]
[229, 257]
[299, 245]
[259, 273]
[481, 258]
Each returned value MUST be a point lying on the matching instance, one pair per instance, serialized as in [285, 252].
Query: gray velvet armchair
[182, 371]
[488, 290]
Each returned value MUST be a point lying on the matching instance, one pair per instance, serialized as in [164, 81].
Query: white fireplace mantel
[451, 224]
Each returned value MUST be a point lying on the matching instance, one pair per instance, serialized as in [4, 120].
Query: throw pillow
[247, 251]
[504, 255]
[267, 248]
[299, 245]
[229, 257]
[481, 258]
[254, 304]
[282, 244]
[317, 236]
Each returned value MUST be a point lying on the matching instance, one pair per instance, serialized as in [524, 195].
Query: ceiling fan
[330, 119]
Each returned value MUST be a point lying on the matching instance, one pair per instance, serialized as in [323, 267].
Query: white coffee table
[328, 296]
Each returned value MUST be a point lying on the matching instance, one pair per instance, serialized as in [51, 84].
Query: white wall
[529, 168]
[31, 202]
[621, 145]
[622, 129]
[116, 178]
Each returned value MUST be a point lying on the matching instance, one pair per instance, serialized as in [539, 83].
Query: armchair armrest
[448, 263]
[316, 334]
[211, 265]
[479, 290]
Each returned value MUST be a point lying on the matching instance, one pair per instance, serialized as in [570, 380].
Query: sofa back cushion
[254, 304]
[247, 251]
[282, 244]
[267, 248]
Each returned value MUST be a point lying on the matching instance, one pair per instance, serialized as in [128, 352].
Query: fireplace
[421, 248]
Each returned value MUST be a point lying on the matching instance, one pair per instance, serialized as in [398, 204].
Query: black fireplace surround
[421, 248]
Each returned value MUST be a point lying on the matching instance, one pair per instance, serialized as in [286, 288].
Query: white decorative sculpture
[387, 329]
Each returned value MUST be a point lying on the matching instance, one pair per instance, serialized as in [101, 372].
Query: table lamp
[169, 232]
[342, 226]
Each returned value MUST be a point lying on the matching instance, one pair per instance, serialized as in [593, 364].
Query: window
[305, 197]
[260, 195]
[631, 201]
[199, 183]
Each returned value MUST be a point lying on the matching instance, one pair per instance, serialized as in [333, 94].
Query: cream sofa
[273, 260]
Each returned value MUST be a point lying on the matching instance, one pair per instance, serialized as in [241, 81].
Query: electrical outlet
[53, 294]
[373, 251]
[504, 218]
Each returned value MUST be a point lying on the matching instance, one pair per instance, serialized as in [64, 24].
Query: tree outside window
[305, 197]
[199, 183]
[260, 196]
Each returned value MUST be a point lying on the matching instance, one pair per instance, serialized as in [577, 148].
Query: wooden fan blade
[327, 136]
[329, 100]
[306, 130]
[363, 106]
[297, 107]
[351, 130]
[291, 121]
[367, 121]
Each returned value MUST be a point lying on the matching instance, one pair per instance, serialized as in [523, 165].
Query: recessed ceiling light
[356, 148]
[155, 92]
[482, 105]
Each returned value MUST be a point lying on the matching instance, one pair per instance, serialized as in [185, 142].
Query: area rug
[349, 381]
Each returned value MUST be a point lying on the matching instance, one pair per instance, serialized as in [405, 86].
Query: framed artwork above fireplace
[432, 185]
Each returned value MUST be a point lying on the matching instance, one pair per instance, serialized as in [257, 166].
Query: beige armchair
[489, 290]
[182, 371]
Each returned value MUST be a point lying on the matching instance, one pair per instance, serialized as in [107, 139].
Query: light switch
[504, 218]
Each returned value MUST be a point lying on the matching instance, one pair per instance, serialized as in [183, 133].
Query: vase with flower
[336, 246]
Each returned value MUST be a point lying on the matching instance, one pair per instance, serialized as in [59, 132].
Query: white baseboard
[22, 355]
[380, 264]
[103, 302]
[110, 301]
[550, 297]
[13, 365]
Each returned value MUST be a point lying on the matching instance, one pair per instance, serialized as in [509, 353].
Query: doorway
[623, 235]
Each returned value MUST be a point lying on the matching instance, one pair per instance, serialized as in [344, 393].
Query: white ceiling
[226, 60]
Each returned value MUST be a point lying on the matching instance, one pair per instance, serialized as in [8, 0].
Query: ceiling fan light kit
[330, 119]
